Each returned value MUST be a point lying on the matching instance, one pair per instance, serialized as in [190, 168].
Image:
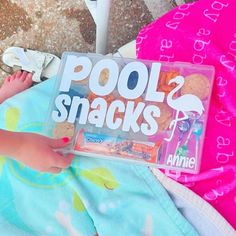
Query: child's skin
[33, 150]
[14, 84]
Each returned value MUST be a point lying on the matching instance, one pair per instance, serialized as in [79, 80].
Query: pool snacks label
[141, 111]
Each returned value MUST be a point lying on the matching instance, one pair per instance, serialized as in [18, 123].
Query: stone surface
[125, 20]
[127, 17]
[55, 26]
[52, 26]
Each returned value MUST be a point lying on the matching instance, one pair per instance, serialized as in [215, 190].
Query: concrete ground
[55, 26]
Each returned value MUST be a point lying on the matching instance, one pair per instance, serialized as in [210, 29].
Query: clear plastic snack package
[145, 112]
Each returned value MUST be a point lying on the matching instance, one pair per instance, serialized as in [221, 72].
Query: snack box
[140, 111]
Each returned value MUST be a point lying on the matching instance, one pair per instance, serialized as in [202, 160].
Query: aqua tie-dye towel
[92, 197]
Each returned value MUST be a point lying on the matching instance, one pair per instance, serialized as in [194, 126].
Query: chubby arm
[35, 151]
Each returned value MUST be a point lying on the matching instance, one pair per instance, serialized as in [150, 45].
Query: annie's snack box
[135, 110]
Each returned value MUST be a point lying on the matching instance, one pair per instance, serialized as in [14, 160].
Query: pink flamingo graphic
[184, 104]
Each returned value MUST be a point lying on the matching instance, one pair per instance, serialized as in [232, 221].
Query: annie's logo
[99, 112]
[181, 161]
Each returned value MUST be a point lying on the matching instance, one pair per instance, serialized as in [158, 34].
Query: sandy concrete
[55, 26]
[49, 25]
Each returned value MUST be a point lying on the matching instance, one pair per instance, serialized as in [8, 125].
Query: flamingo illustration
[184, 104]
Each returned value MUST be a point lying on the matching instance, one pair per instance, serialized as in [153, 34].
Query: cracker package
[139, 111]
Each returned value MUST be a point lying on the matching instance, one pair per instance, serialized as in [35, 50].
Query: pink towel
[204, 32]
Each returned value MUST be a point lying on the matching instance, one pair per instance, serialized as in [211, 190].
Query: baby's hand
[38, 152]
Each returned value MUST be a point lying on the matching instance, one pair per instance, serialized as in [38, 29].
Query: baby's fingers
[55, 170]
[62, 162]
[59, 143]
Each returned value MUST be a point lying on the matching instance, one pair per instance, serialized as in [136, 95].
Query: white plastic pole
[92, 6]
[102, 19]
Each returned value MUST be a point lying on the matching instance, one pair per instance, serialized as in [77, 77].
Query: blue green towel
[92, 197]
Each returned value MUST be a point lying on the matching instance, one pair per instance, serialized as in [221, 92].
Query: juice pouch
[135, 110]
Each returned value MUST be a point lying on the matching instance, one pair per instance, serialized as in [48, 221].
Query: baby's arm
[35, 151]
